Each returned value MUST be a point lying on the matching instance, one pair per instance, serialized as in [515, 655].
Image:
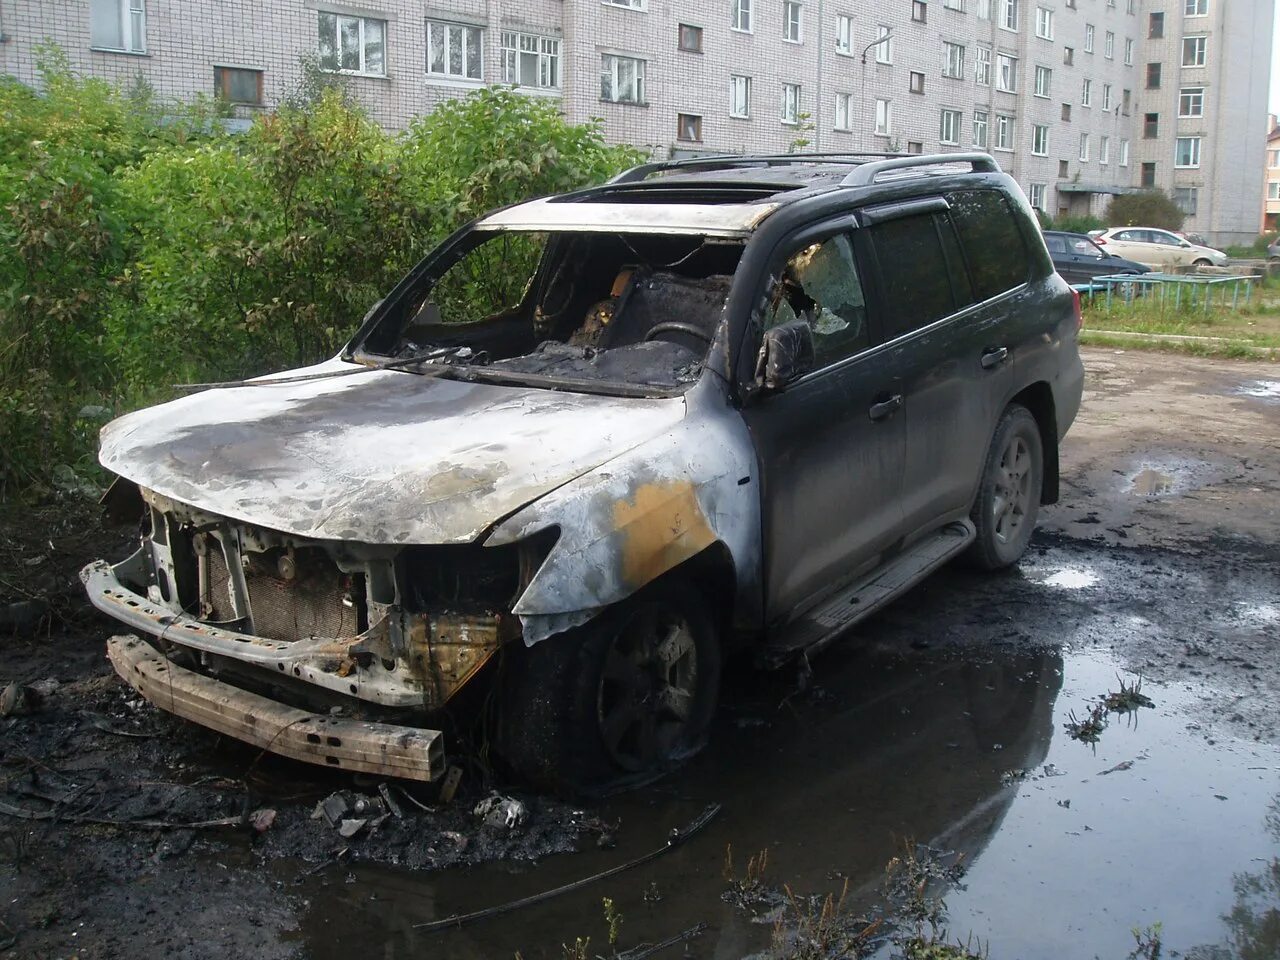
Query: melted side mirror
[786, 354]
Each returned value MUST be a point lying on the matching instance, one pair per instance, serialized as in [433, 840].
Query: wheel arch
[1038, 399]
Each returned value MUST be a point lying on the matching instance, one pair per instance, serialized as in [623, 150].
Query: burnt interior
[635, 308]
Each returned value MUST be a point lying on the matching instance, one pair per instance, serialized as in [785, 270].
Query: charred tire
[620, 700]
[1004, 512]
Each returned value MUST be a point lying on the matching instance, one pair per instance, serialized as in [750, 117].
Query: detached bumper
[378, 748]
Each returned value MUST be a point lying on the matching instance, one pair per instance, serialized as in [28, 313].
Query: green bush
[1148, 208]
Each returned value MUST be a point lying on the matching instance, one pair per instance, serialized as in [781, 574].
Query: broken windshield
[581, 308]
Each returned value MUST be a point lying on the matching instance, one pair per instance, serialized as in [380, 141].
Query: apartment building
[1271, 179]
[1078, 99]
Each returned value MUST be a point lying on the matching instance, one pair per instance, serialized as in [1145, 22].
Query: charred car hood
[375, 457]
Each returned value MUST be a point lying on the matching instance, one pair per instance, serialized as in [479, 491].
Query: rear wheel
[622, 699]
[1008, 500]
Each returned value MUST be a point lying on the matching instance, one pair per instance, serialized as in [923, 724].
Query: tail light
[1075, 306]
[1100, 241]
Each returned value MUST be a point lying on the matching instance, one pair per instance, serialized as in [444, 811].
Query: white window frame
[844, 112]
[1044, 23]
[1192, 160]
[1109, 45]
[884, 44]
[844, 35]
[1084, 148]
[1190, 102]
[1104, 149]
[953, 5]
[982, 9]
[1044, 81]
[447, 27]
[981, 128]
[953, 59]
[1273, 189]
[609, 63]
[982, 66]
[1200, 50]
[1195, 8]
[740, 16]
[128, 16]
[949, 122]
[1036, 195]
[884, 118]
[1123, 159]
[515, 45]
[1004, 131]
[1040, 139]
[1006, 73]
[739, 96]
[792, 21]
[1009, 15]
[790, 106]
[627, 4]
[1128, 52]
[695, 127]
[363, 70]
[1106, 96]
[1088, 37]
[1086, 92]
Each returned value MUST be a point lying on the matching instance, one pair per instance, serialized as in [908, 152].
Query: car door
[1088, 259]
[1171, 249]
[952, 337]
[1134, 245]
[1063, 261]
[830, 445]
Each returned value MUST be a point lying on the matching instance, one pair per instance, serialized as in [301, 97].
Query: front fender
[637, 517]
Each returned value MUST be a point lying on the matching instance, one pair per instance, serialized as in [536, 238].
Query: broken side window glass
[820, 285]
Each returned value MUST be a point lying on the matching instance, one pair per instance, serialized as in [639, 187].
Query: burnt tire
[1008, 500]
[618, 701]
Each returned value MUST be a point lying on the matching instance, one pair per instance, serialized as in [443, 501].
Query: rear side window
[913, 271]
[993, 245]
[1056, 244]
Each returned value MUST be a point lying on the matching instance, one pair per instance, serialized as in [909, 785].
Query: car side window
[985, 222]
[1128, 236]
[1164, 239]
[1087, 248]
[916, 283]
[1056, 244]
[820, 284]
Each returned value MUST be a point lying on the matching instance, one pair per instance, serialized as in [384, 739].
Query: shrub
[1149, 208]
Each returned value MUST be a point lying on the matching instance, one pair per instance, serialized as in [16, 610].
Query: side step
[818, 627]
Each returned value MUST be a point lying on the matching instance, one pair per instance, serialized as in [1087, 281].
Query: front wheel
[1202, 262]
[1008, 500]
[622, 699]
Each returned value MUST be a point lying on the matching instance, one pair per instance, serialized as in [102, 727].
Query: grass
[1251, 331]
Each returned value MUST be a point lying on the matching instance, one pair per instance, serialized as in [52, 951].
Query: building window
[1196, 8]
[952, 60]
[1124, 153]
[235, 85]
[1088, 38]
[791, 11]
[1040, 140]
[1104, 150]
[1068, 55]
[1004, 131]
[1126, 97]
[1128, 53]
[1086, 92]
[915, 146]
[454, 50]
[740, 16]
[919, 11]
[1106, 96]
[949, 128]
[1150, 126]
[982, 67]
[352, 44]
[884, 45]
[844, 35]
[915, 81]
[1186, 152]
[1148, 175]
[1009, 14]
[118, 25]
[530, 61]
[980, 129]
[1194, 51]
[1155, 26]
[689, 127]
[1037, 196]
[1084, 148]
[1191, 102]
[739, 96]
[1153, 76]
[884, 118]
[844, 111]
[690, 38]
[630, 4]
[1273, 190]
[1109, 45]
[982, 8]
[621, 79]
[1064, 169]
[1186, 199]
[1006, 73]
[1273, 159]
[954, 5]
[790, 103]
[1044, 78]
[1044, 23]
[1066, 112]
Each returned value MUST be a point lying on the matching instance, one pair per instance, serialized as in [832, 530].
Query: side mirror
[1185, 245]
[786, 354]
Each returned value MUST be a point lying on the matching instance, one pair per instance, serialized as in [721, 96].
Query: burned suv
[587, 447]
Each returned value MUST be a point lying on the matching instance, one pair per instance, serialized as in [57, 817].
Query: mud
[938, 727]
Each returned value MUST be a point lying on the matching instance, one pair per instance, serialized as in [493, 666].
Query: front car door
[1172, 251]
[830, 444]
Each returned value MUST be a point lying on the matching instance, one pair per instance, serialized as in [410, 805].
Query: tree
[1150, 208]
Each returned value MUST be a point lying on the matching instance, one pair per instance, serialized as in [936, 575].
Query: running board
[819, 626]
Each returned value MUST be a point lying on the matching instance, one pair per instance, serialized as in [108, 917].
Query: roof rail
[733, 161]
[867, 173]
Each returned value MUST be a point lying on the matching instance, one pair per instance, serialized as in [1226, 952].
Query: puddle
[1149, 482]
[1262, 389]
[1064, 578]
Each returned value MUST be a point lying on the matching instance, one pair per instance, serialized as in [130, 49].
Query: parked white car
[1158, 248]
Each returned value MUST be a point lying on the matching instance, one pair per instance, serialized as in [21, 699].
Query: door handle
[886, 408]
[993, 358]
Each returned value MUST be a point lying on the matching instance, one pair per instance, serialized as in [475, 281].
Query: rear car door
[830, 445]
